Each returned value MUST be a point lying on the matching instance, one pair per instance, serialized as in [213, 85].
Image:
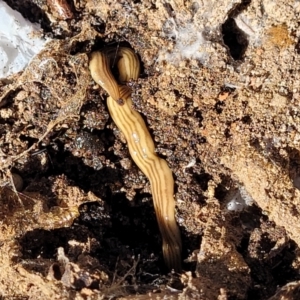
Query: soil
[219, 91]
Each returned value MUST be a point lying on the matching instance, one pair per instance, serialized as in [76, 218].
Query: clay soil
[219, 92]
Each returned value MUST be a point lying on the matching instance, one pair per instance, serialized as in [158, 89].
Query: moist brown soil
[76, 214]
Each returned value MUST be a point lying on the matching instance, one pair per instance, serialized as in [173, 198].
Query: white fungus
[190, 42]
[190, 164]
[20, 40]
[236, 202]
[238, 199]
[246, 196]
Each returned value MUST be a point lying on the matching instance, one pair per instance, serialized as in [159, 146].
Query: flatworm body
[140, 145]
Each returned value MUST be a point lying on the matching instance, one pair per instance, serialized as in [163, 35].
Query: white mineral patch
[187, 30]
[19, 41]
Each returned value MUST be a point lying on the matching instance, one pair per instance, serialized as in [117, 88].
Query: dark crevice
[223, 187]
[239, 8]
[219, 107]
[30, 140]
[31, 11]
[233, 37]
[297, 47]
[98, 24]
[198, 115]
[202, 179]
[227, 133]
[246, 119]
